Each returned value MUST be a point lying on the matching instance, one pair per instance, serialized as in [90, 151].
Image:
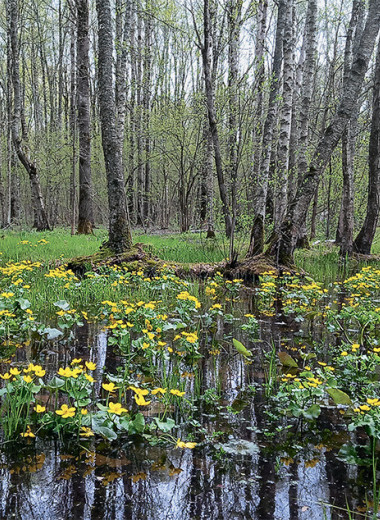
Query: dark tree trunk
[346, 217]
[120, 238]
[146, 108]
[85, 213]
[262, 12]
[210, 99]
[132, 115]
[41, 221]
[363, 241]
[73, 132]
[234, 21]
[261, 183]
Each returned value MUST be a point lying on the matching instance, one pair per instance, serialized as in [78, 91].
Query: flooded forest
[190, 259]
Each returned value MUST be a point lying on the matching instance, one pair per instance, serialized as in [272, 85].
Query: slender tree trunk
[261, 183]
[234, 21]
[132, 116]
[210, 99]
[307, 85]
[146, 108]
[204, 175]
[345, 230]
[210, 189]
[3, 218]
[313, 224]
[139, 139]
[41, 221]
[207, 188]
[73, 132]
[262, 12]
[347, 209]
[120, 238]
[363, 241]
[310, 46]
[86, 212]
[281, 175]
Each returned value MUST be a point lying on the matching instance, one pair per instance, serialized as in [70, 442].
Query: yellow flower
[90, 365]
[344, 353]
[181, 444]
[89, 378]
[138, 391]
[27, 379]
[84, 411]
[39, 409]
[76, 361]
[7, 294]
[86, 432]
[76, 372]
[15, 371]
[159, 391]
[65, 372]
[140, 400]
[177, 392]
[5, 376]
[109, 387]
[66, 412]
[116, 408]
[40, 372]
[365, 407]
[373, 402]
[28, 433]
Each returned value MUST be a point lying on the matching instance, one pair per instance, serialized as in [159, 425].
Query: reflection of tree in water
[176, 484]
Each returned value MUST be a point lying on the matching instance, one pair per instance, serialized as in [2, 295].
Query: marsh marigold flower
[65, 412]
[116, 408]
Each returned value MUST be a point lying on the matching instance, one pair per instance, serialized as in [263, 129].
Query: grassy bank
[321, 262]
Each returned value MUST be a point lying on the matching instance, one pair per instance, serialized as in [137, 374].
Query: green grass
[321, 262]
[61, 245]
[187, 248]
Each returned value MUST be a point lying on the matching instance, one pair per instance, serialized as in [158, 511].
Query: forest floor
[118, 376]
[321, 261]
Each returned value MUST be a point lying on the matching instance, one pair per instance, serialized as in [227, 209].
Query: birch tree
[283, 246]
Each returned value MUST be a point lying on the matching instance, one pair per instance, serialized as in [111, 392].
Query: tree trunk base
[359, 257]
[84, 227]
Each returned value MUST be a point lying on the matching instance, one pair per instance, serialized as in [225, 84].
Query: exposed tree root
[139, 258]
[365, 258]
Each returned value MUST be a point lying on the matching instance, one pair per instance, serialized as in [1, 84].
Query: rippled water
[260, 473]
